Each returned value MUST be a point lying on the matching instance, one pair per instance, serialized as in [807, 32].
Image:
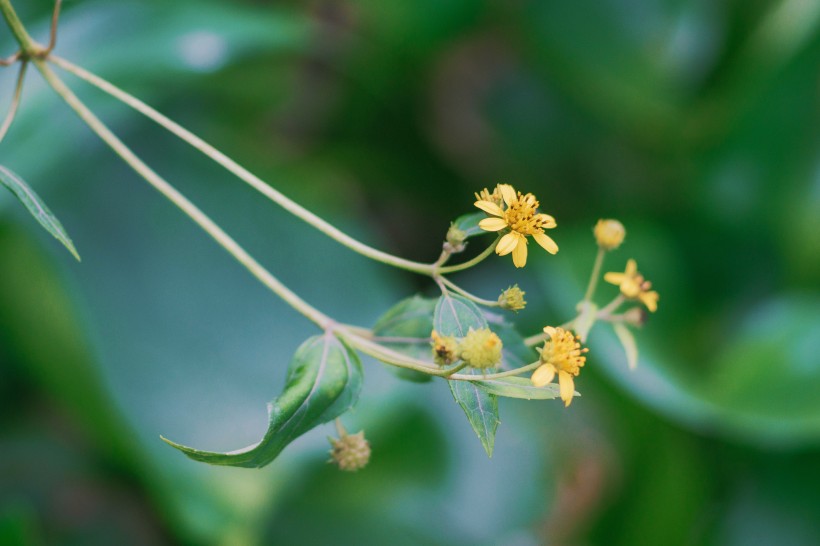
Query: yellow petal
[520, 252]
[631, 268]
[490, 208]
[492, 224]
[630, 288]
[543, 375]
[549, 221]
[549, 330]
[614, 278]
[546, 242]
[567, 386]
[507, 193]
[507, 244]
[650, 299]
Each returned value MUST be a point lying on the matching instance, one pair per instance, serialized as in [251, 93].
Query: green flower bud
[512, 298]
[481, 348]
[455, 240]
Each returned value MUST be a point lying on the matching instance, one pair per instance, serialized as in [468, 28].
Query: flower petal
[507, 244]
[614, 278]
[630, 288]
[492, 224]
[549, 330]
[650, 299]
[567, 386]
[507, 193]
[631, 268]
[543, 375]
[549, 221]
[546, 242]
[520, 252]
[490, 208]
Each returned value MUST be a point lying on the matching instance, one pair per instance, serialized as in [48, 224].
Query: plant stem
[596, 272]
[257, 183]
[219, 235]
[455, 288]
[28, 47]
[15, 101]
[499, 375]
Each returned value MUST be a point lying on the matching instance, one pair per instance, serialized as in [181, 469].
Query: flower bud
[481, 348]
[512, 298]
[609, 234]
[455, 240]
[351, 452]
[445, 349]
[636, 316]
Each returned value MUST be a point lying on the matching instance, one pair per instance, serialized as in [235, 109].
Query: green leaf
[468, 223]
[324, 380]
[454, 316]
[406, 327]
[37, 208]
[519, 387]
[628, 341]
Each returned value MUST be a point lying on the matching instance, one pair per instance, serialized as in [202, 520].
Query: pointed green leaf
[628, 341]
[324, 379]
[519, 387]
[454, 316]
[37, 208]
[468, 223]
[406, 329]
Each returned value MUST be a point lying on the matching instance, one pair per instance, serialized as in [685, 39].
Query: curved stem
[254, 181]
[55, 18]
[222, 238]
[457, 289]
[15, 101]
[605, 312]
[468, 264]
[596, 272]
[28, 47]
[499, 375]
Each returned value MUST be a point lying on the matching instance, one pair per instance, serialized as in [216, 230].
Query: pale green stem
[257, 183]
[605, 312]
[340, 428]
[596, 272]
[15, 101]
[499, 375]
[457, 289]
[224, 240]
[28, 47]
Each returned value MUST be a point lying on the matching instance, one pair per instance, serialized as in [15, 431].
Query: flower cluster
[478, 349]
[633, 286]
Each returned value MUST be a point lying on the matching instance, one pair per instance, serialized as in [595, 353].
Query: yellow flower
[634, 286]
[609, 234]
[481, 348]
[561, 355]
[520, 217]
[512, 298]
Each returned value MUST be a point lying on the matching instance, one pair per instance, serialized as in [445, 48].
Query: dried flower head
[351, 452]
[445, 349]
[481, 348]
[562, 355]
[634, 286]
[512, 298]
[609, 234]
[521, 218]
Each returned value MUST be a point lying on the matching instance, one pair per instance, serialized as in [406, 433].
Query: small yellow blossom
[445, 349]
[609, 234]
[512, 298]
[520, 217]
[481, 348]
[634, 286]
[561, 355]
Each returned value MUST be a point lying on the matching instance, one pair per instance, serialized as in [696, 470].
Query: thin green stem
[254, 181]
[499, 375]
[605, 312]
[222, 238]
[596, 272]
[340, 428]
[28, 47]
[457, 289]
[468, 264]
[15, 101]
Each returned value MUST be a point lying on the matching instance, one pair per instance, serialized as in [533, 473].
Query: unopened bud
[454, 242]
[481, 348]
[512, 298]
[445, 349]
[609, 234]
[351, 452]
[636, 316]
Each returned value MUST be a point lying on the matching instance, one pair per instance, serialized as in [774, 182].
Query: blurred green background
[695, 122]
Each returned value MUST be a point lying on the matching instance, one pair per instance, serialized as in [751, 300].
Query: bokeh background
[695, 122]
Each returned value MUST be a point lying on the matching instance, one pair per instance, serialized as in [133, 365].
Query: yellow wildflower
[512, 298]
[634, 286]
[481, 348]
[609, 234]
[351, 452]
[561, 355]
[520, 218]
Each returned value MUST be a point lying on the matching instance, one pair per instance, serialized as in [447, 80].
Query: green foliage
[37, 208]
[411, 320]
[323, 382]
